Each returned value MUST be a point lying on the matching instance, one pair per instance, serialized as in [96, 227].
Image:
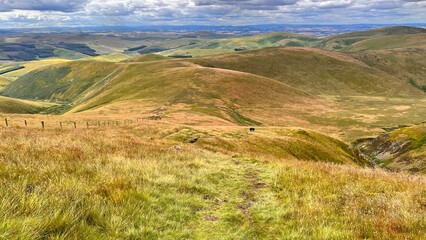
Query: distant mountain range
[311, 29]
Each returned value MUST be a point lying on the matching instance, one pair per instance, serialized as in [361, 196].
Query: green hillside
[219, 46]
[284, 86]
[178, 86]
[128, 182]
[61, 82]
[11, 105]
[272, 143]
[400, 150]
[314, 71]
[147, 58]
[382, 38]
[4, 81]
[409, 65]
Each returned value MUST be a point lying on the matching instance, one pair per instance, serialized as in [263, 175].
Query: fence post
[26, 124]
[87, 124]
[60, 124]
[42, 124]
[7, 123]
[75, 125]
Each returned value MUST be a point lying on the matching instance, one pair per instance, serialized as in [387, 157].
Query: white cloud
[137, 12]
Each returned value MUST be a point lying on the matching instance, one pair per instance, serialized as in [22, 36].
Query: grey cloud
[248, 4]
[42, 5]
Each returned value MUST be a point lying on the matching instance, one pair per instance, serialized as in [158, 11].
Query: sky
[76, 13]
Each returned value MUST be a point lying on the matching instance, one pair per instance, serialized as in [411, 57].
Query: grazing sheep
[178, 148]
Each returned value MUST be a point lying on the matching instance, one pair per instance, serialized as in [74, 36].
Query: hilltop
[314, 71]
[214, 136]
[376, 39]
[280, 86]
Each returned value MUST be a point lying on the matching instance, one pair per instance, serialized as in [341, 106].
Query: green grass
[220, 46]
[61, 82]
[400, 150]
[344, 95]
[11, 105]
[4, 81]
[313, 71]
[381, 38]
[147, 58]
[129, 183]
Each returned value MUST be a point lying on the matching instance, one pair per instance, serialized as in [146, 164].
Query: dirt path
[245, 205]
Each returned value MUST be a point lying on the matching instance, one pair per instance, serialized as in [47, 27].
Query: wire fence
[43, 124]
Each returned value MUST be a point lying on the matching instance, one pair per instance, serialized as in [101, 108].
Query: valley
[123, 135]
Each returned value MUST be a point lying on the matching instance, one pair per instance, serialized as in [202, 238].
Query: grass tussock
[129, 183]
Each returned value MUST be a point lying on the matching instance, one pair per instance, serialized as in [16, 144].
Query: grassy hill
[400, 150]
[406, 63]
[147, 58]
[177, 87]
[61, 82]
[33, 65]
[272, 143]
[314, 71]
[128, 182]
[218, 46]
[187, 167]
[4, 81]
[382, 38]
[11, 105]
[294, 87]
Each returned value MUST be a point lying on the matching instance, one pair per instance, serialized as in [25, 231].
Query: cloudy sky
[34, 13]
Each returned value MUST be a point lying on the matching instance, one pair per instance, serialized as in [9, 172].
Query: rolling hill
[246, 144]
[314, 71]
[156, 86]
[282, 86]
[61, 82]
[12, 105]
[375, 39]
[219, 46]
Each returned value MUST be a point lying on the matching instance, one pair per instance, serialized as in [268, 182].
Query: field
[130, 182]
[101, 142]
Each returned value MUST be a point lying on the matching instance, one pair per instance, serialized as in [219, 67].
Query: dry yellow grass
[34, 65]
[129, 182]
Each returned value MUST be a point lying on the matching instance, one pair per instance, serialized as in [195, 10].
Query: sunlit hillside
[213, 135]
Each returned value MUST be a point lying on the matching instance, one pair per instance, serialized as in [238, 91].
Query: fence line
[74, 124]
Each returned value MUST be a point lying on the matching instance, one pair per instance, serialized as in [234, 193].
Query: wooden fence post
[26, 124]
[42, 124]
[60, 124]
[87, 124]
[75, 125]
[7, 123]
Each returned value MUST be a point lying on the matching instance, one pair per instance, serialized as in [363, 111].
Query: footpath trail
[243, 204]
